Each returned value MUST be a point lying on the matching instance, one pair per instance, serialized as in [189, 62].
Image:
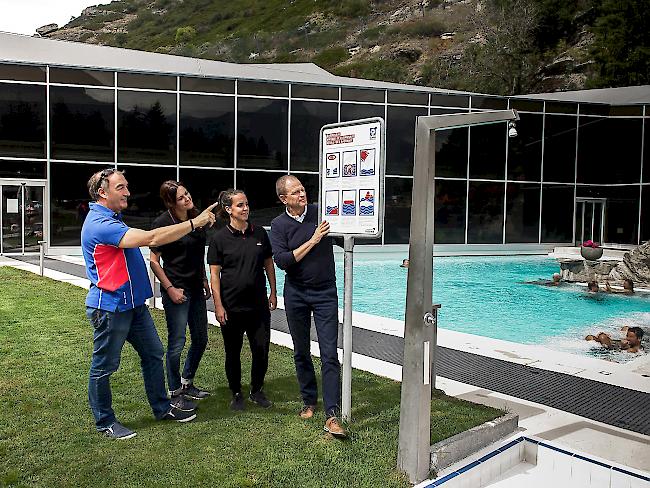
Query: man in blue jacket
[303, 249]
[115, 304]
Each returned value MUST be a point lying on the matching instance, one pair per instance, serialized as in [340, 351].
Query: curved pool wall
[488, 296]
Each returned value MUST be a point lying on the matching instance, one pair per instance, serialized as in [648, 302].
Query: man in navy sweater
[303, 249]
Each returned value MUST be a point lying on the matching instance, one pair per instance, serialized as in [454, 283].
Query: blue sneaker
[118, 431]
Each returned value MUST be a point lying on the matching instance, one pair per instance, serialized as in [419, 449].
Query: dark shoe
[118, 431]
[260, 398]
[333, 427]
[191, 392]
[307, 411]
[181, 403]
[237, 402]
[178, 415]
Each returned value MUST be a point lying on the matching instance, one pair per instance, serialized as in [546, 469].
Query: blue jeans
[298, 304]
[192, 312]
[111, 330]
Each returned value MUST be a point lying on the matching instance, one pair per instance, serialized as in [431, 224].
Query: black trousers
[257, 325]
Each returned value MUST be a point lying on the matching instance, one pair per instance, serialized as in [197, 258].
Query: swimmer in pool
[628, 287]
[405, 263]
[633, 339]
[592, 287]
[606, 341]
[556, 281]
[631, 343]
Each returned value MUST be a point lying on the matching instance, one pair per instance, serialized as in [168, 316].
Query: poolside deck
[606, 403]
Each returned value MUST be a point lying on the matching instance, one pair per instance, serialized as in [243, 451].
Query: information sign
[352, 162]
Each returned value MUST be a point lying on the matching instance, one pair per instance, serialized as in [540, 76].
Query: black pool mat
[609, 404]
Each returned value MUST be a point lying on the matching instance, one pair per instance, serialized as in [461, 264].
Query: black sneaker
[260, 398]
[178, 415]
[237, 402]
[118, 431]
[181, 403]
[193, 393]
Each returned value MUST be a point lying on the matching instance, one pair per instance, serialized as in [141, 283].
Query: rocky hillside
[493, 46]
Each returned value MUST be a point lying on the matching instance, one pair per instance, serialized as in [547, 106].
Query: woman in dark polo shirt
[184, 288]
[239, 255]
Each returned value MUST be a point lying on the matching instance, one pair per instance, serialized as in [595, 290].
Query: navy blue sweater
[316, 269]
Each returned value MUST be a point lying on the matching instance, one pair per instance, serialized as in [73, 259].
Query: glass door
[22, 212]
[590, 219]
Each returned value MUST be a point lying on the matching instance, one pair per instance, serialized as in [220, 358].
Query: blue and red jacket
[118, 277]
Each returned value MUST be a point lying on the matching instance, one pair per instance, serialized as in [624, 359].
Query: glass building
[577, 170]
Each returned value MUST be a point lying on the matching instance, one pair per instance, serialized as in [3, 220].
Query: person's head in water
[556, 277]
[592, 287]
[405, 263]
[628, 285]
[634, 336]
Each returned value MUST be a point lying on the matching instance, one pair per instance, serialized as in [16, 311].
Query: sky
[25, 16]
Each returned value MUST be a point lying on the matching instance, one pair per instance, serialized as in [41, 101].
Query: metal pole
[348, 247]
[41, 257]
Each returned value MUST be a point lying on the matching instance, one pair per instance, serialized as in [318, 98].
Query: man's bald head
[282, 182]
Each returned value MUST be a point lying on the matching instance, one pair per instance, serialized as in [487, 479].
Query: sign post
[352, 162]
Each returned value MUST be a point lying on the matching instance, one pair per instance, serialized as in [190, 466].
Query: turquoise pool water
[487, 296]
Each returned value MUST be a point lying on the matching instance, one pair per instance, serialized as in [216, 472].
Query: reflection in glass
[602, 160]
[145, 203]
[22, 121]
[451, 198]
[33, 230]
[82, 77]
[487, 155]
[18, 72]
[207, 130]
[362, 95]
[557, 213]
[408, 98]
[397, 219]
[646, 149]
[12, 221]
[140, 80]
[485, 213]
[205, 184]
[262, 133]
[260, 190]
[559, 148]
[207, 85]
[525, 150]
[146, 127]
[307, 118]
[351, 111]
[82, 123]
[645, 214]
[451, 153]
[522, 212]
[11, 168]
[69, 201]
[315, 91]
[400, 135]
[263, 89]
[621, 211]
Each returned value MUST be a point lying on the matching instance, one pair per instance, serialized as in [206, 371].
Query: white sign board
[352, 162]
[12, 206]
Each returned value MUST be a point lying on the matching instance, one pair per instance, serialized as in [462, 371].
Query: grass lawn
[47, 434]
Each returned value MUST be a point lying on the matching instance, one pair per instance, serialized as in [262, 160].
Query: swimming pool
[487, 296]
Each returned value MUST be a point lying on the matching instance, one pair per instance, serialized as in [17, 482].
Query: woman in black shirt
[184, 288]
[239, 255]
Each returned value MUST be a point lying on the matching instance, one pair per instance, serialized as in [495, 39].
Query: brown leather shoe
[333, 427]
[307, 411]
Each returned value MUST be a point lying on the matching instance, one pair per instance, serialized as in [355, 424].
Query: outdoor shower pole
[413, 455]
[346, 396]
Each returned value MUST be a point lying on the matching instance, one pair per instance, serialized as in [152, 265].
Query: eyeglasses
[102, 176]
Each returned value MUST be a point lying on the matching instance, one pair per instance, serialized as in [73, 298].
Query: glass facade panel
[315, 91]
[493, 103]
[145, 203]
[559, 148]
[603, 160]
[449, 205]
[485, 213]
[22, 121]
[645, 213]
[138, 80]
[646, 150]
[207, 131]
[527, 105]
[449, 100]
[400, 139]
[18, 72]
[260, 190]
[397, 217]
[621, 211]
[408, 98]
[146, 127]
[557, 213]
[451, 153]
[262, 136]
[362, 95]
[262, 89]
[626, 111]
[207, 85]
[522, 212]
[593, 109]
[82, 123]
[307, 118]
[82, 77]
[350, 111]
[561, 108]
[487, 155]
[69, 201]
[10, 168]
[525, 150]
